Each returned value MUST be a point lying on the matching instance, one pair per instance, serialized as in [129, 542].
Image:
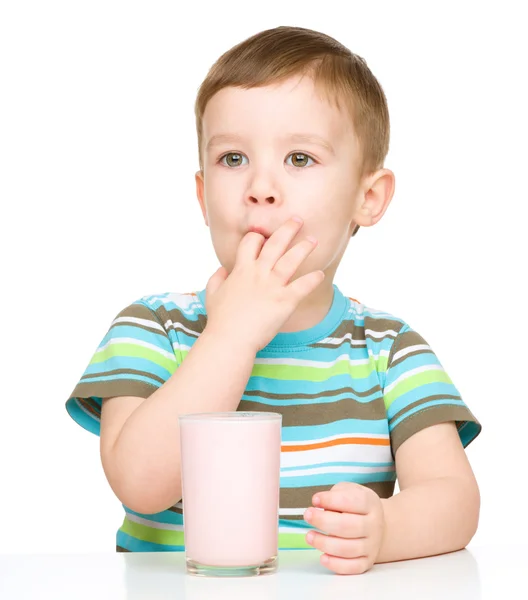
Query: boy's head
[290, 122]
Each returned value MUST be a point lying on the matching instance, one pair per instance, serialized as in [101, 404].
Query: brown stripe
[404, 340]
[86, 378]
[140, 311]
[358, 331]
[196, 326]
[109, 389]
[409, 355]
[176, 510]
[121, 549]
[428, 417]
[323, 394]
[383, 325]
[319, 414]
[422, 401]
[161, 315]
[302, 497]
[91, 406]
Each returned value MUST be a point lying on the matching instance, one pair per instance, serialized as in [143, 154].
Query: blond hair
[277, 54]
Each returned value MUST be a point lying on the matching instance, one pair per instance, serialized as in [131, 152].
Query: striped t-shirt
[351, 390]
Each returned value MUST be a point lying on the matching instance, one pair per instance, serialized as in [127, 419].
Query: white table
[481, 572]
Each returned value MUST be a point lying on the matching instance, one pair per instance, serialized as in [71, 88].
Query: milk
[230, 486]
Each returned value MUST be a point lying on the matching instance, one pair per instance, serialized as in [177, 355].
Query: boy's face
[257, 174]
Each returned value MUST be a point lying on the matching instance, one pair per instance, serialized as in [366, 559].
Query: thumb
[216, 280]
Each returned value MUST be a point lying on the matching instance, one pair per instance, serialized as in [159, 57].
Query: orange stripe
[364, 441]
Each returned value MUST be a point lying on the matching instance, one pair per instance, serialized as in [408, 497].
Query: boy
[293, 130]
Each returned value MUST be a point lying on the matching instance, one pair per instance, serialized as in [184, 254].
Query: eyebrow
[306, 138]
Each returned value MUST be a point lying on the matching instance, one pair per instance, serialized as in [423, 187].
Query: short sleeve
[134, 358]
[419, 393]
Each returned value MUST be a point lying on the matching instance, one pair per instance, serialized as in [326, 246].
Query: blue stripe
[134, 545]
[300, 524]
[126, 376]
[421, 392]
[191, 312]
[126, 330]
[468, 432]
[333, 478]
[345, 426]
[424, 406]
[166, 516]
[185, 338]
[85, 420]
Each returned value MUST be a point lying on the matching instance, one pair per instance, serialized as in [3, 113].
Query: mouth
[261, 230]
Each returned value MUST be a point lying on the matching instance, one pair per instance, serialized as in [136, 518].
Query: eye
[299, 159]
[233, 159]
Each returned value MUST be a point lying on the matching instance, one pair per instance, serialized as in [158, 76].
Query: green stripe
[176, 538]
[381, 363]
[411, 383]
[293, 540]
[312, 374]
[152, 534]
[122, 350]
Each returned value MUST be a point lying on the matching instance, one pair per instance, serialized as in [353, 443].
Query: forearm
[434, 517]
[212, 378]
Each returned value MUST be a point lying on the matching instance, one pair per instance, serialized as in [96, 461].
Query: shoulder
[387, 337]
[379, 325]
[187, 303]
[170, 310]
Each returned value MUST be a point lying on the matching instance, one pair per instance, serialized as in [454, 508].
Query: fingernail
[316, 500]
[310, 537]
[311, 239]
[308, 514]
[297, 219]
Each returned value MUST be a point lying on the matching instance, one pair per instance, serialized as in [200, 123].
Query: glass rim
[245, 415]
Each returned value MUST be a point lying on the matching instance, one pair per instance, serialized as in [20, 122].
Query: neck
[312, 310]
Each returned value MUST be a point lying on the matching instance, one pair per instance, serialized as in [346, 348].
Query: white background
[98, 208]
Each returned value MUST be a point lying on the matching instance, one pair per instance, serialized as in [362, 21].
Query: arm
[435, 512]
[437, 509]
[140, 444]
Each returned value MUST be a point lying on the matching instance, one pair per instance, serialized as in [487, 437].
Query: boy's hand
[256, 298]
[354, 522]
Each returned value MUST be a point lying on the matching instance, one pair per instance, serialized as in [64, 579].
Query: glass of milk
[230, 468]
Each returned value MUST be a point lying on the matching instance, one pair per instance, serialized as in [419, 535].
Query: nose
[261, 200]
[262, 190]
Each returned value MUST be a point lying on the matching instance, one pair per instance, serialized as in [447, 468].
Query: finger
[249, 248]
[288, 264]
[346, 566]
[348, 497]
[278, 243]
[337, 546]
[345, 525]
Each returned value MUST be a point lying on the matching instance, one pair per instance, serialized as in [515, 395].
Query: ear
[376, 195]
[199, 178]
